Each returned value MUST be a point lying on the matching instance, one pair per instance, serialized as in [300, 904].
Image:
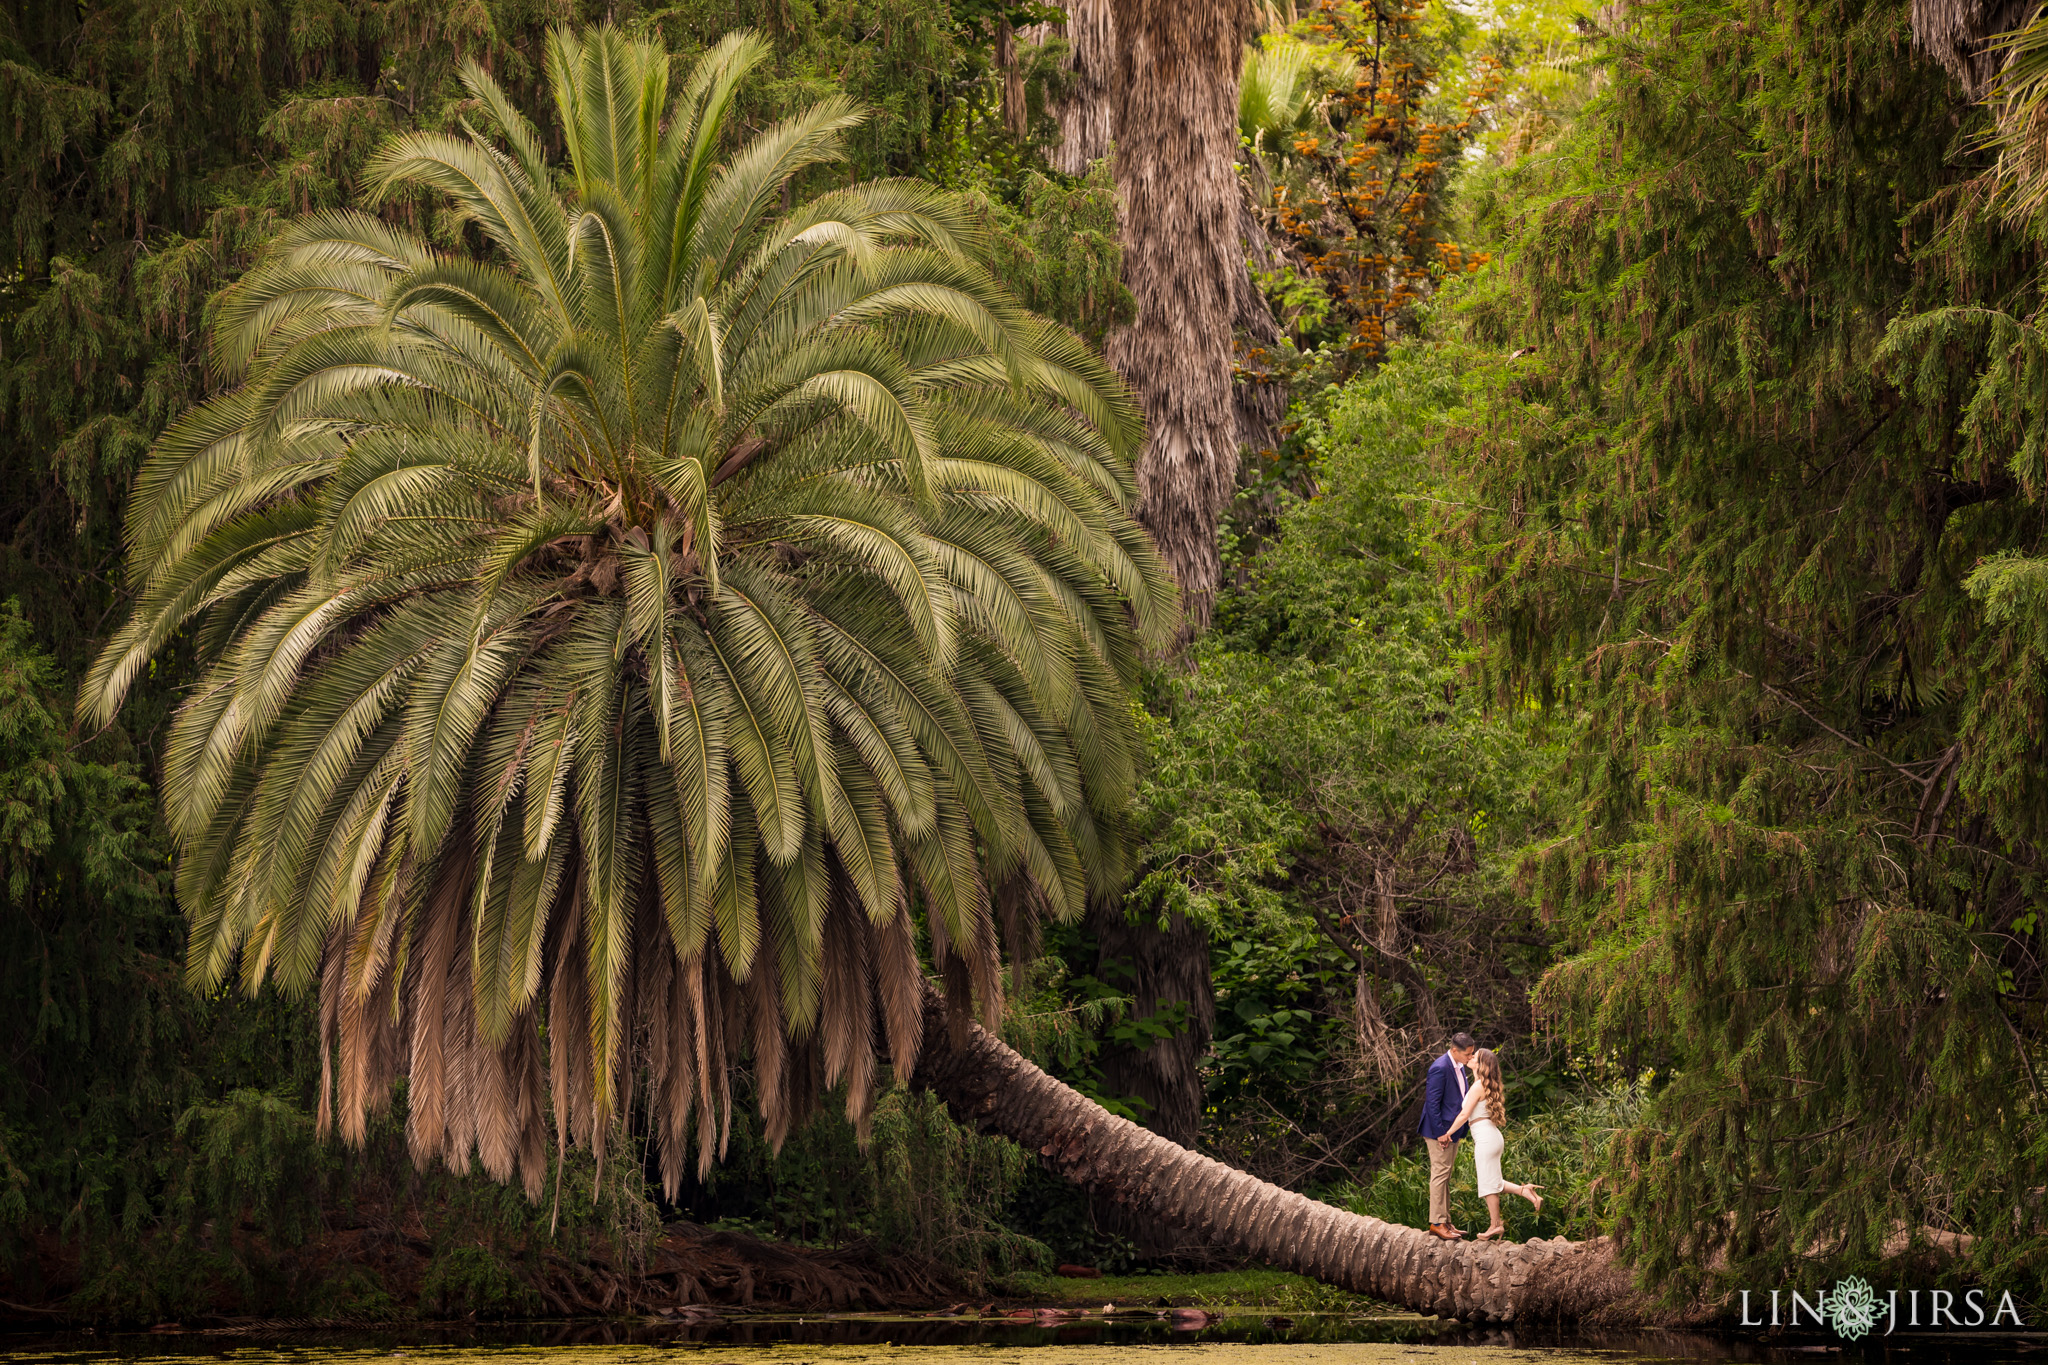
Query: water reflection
[877, 1339]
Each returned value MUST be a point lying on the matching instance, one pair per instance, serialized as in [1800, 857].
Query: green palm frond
[2019, 133]
[641, 629]
[1281, 89]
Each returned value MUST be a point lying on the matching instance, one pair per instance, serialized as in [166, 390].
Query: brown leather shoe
[1446, 1231]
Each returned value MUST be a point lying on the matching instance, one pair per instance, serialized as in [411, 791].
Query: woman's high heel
[1490, 1234]
[1529, 1193]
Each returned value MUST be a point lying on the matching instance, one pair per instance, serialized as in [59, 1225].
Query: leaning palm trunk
[988, 1085]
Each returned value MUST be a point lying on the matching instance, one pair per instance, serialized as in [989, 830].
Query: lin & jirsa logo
[1852, 1308]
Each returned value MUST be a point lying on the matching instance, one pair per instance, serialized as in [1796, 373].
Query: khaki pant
[1442, 1161]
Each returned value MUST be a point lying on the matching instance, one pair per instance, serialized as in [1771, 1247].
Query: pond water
[1304, 1339]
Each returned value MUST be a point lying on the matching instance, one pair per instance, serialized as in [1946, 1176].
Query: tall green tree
[1756, 508]
[108, 1047]
[655, 616]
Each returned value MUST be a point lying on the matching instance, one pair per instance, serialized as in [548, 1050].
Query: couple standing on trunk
[1454, 1103]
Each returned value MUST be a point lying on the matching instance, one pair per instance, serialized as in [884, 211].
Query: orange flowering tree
[1388, 100]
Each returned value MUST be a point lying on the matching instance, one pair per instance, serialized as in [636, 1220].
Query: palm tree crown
[634, 631]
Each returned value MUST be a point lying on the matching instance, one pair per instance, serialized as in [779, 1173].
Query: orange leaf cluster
[1371, 226]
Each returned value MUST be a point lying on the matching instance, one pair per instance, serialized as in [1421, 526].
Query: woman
[1486, 1109]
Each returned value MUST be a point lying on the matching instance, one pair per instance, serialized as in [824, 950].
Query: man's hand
[1450, 1143]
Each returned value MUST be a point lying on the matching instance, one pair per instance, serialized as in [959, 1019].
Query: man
[1443, 1096]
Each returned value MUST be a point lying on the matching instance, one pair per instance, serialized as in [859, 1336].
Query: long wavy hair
[1487, 1066]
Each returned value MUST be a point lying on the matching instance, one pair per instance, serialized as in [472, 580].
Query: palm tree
[612, 633]
[1281, 93]
[604, 641]
[985, 1083]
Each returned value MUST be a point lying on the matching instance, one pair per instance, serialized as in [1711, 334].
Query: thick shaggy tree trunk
[1014, 114]
[1259, 391]
[986, 1084]
[1084, 110]
[1169, 967]
[1176, 145]
[1959, 34]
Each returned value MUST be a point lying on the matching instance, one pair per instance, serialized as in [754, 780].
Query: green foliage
[1281, 90]
[1331, 797]
[250, 1185]
[1327, 696]
[940, 1189]
[160, 147]
[1071, 1016]
[922, 1185]
[1275, 1035]
[1755, 515]
[475, 1280]
[904, 61]
[1055, 243]
[110, 1049]
[250, 1156]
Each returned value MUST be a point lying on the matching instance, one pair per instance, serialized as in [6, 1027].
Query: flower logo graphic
[1852, 1308]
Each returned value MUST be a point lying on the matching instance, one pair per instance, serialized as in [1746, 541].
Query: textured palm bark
[989, 1086]
[1083, 111]
[1258, 390]
[1014, 114]
[1176, 145]
[1960, 34]
[1168, 968]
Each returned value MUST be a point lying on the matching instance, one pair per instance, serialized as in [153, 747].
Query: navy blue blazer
[1441, 1099]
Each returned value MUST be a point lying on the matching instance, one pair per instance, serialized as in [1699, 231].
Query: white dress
[1487, 1143]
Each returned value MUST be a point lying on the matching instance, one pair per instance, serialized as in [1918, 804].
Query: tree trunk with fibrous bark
[990, 1087]
[1168, 971]
[1176, 145]
[1014, 113]
[1084, 109]
[1259, 387]
[1959, 34]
